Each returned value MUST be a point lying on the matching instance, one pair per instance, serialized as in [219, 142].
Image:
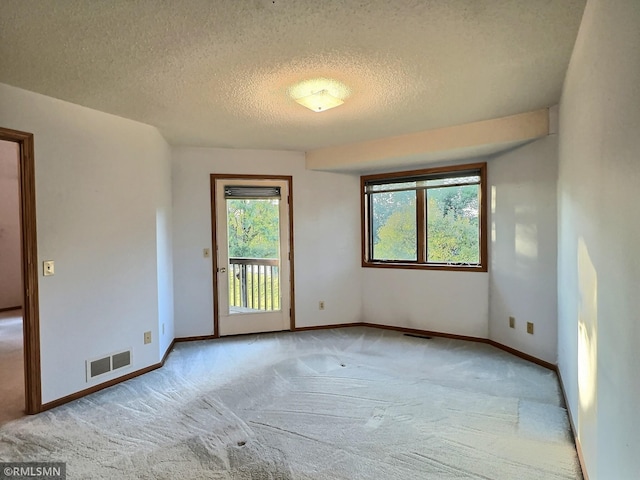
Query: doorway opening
[19, 166]
[252, 262]
[11, 338]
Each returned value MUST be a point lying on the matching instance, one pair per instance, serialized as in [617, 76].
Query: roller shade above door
[249, 192]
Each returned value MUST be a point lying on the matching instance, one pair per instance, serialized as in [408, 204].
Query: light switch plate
[206, 252]
[48, 268]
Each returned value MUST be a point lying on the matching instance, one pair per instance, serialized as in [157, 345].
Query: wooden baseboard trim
[426, 333]
[574, 431]
[167, 352]
[110, 383]
[328, 327]
[196, 338]
[525, 356]
[8, 309]
[429, 333]
[412, 331]
[583, 467]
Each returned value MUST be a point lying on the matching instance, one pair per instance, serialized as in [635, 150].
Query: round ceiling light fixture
[319, 94]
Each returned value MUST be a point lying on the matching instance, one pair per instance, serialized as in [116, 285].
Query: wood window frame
[421, 263]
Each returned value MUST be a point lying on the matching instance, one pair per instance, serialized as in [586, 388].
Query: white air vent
[103, 365]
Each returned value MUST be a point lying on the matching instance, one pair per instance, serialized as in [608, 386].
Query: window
[433, 219]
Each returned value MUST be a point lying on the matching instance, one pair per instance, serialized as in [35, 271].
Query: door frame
[214, 242]
[29, 246]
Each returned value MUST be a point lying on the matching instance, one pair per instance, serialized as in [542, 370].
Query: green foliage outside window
[452, 224]
[394, 226]
[253, 227]
[254, 232]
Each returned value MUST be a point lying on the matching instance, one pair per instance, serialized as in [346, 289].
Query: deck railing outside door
[254, 284]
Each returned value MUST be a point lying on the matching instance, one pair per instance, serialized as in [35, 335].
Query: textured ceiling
[218, 72]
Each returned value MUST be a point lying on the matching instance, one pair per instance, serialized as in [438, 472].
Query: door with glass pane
[252, 266]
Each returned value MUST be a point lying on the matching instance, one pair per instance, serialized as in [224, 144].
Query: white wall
[164, 254]
[432, 300]
[523, 247]
[326, 211]
[599, 234]
[522, 276]
[100, 181]
[438, 301]
[10, 248]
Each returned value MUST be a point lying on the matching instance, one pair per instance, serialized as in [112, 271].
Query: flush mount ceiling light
[320, 101]
[319, 94]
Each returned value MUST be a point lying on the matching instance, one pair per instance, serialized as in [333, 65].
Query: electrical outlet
[321, 305]
[147, 337]
[512, 322]
[530, 328]
[48, 268]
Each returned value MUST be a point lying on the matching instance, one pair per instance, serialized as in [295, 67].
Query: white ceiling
[217, 72]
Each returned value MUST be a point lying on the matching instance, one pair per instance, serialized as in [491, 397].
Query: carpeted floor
[351, 403]
[11, 366]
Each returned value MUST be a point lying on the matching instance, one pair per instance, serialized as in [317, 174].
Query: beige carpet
[351, 403]
[11, 366]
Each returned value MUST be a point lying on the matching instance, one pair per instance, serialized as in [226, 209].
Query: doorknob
[222, 270]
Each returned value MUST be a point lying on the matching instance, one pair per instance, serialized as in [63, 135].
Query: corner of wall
[523, 248]
[554, 119]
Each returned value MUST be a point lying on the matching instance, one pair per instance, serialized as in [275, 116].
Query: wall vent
[103, 365]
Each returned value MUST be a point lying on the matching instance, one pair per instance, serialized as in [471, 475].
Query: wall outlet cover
[48, 268]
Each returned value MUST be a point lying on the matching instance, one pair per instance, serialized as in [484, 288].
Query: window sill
[422, 266]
